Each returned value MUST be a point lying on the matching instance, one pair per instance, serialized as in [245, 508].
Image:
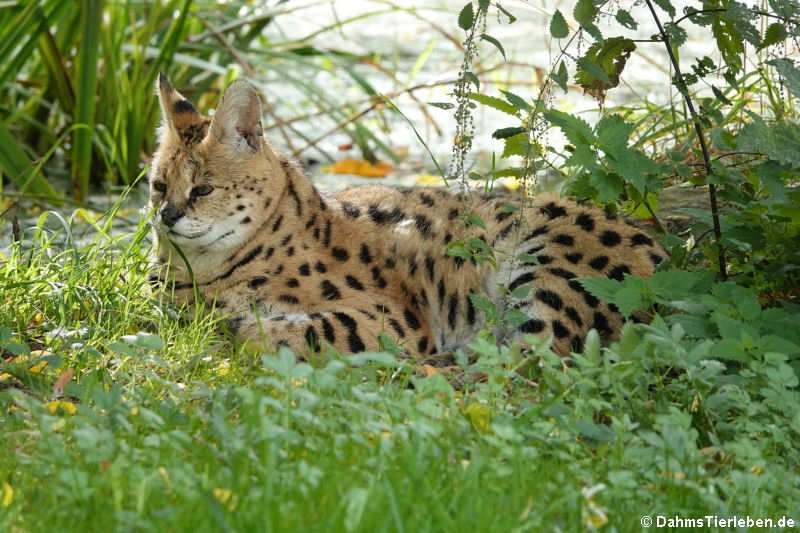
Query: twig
[712, 188]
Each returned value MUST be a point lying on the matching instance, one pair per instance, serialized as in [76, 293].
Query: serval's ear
[237, 120]
[180, 116]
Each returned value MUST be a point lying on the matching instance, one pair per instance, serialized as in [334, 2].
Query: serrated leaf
[516, 145]
[496, 43]
[561, 77]
[625, 19]
[584, 12]
[780, 141]
[478, 221]
[613, 132]
[609, 186]
[558, 26]
[522, 292]
[503, 133]
[442, 105]
[575, 129]
[667, 6]
[720, 95]
[515, 318]
[495, 103]
[516, 101]
[789, 72]
[776, 32]
[466, 17]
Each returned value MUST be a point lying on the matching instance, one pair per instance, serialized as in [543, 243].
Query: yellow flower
[67, 407]
[38, 367]
[226, 497]
[8, 494]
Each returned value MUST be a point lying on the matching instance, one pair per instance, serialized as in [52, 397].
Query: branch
[712, 188]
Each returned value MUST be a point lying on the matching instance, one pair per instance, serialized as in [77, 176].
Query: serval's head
[212, 180]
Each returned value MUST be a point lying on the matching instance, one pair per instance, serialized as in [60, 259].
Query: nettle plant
[733, 132]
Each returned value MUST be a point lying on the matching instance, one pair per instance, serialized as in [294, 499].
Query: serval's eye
[201, 190]
[160, 186]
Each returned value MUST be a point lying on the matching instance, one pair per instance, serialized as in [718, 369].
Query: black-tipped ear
[180, 115]
[237, 120]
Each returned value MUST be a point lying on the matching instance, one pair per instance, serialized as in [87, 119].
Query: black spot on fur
[304, 269]
[532, 326]
[389, 263]
[245, 220]
[353, 340]
[562, 273]
[610, 238]
[640, 239]
[601, 323]
[537, 232]
[277, 270]
[397, 327]
[574, 258]
[470, 310]
[559, 330]
[382, 216]
[288, 298]
[382, 309]
[422, 345]
[585, 222]
[599, 263]
[269, 253]
[429, 267]
[292, 282]
[240, 208]
[522, 279]
[364, 254]
[573, 315]
[502, 215]
[544, 259]
[453, 214]
[286, 239]
[277, 224]
[411, 319]
[577, 344]
[377, 278]
[655, 258]
[255, 282]
[320, 267]
[427, 200]
[550, 298]
[447, 239]
[423, 226]
[330, 291]
[326, 238]
[618, 272]
[351, 210]
[553, 211]
[249, 256]
[311, 221]
[295, 197]
[353, 283]
[328, 331]
[340, 253]
[566, 240]
[312, 338]
[452, 311]
[503, 233]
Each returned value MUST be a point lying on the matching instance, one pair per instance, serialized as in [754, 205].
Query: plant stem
[712, 188]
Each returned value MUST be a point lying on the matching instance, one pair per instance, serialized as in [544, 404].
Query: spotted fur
[288, 266]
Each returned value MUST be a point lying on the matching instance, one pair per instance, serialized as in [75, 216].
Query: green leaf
[442, 105]
[609, 186]
[472, 78]
[584, 12]
[613, 133]
[515, 318]
[780, 141]
[528, 259]
[466, 17]
[495, 42]
[516, 101]
[789, 73]
[575, 129]
[516, 145]
[625, 19]
[667, 6]
[558, 26]
[522, 292]
[776, 33]
[478, 221]
[503, 133]
[561, 77]
[494, 102]
[511, 18]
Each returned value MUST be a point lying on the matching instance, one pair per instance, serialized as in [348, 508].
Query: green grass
[175, 428]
